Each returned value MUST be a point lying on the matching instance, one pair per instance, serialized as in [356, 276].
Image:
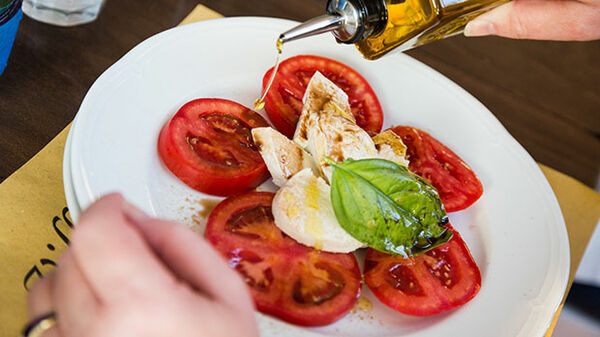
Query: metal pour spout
[344, 19]
[321, 24]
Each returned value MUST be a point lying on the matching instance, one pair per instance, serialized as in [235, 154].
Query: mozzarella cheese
[390, 146]
[283, 157]
[333, 136]
[321, 95]
[302, 209]
[327, 128]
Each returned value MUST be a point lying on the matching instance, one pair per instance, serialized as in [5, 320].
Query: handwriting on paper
[62, 225]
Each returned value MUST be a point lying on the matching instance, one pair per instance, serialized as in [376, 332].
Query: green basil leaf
[387, 207]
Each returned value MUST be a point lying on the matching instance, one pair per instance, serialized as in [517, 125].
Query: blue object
[9, 23]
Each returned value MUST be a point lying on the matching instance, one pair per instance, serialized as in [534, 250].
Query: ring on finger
[39, 325]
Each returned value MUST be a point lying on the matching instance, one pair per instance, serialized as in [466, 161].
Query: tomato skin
[284, 277]
[432, 283]
[454, 180]
[283, 102]
[201, 169]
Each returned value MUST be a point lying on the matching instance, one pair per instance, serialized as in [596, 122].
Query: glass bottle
[378, 26]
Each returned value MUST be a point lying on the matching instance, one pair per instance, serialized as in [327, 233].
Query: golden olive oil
[412, 23]
[260, 102]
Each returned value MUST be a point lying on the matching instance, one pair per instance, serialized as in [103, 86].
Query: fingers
[74, 302]
[192, 259]
[39, 302]
[112, 256]
[541, 20]
[39, 299]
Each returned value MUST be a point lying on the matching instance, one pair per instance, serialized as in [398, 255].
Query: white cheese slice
[302, 209]
[333, 136]
[321, 95]
[283, 157]
[391, 147]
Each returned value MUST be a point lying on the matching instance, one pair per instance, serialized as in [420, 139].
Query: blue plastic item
[9, 23]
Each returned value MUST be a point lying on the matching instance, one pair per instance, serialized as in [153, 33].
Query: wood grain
[547, 94]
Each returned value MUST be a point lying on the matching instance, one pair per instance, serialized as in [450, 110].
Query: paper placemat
[35, 221]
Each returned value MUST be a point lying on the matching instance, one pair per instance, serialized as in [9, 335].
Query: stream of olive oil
[260, 102]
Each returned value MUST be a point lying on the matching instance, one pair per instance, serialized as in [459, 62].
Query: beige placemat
[35, 221]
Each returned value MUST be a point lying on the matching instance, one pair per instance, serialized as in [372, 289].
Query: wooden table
[547, 94]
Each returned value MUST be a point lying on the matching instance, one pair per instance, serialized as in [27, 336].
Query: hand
[561, 20]
[125, 275]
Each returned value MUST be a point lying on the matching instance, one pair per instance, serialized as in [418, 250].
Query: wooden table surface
[547, 94]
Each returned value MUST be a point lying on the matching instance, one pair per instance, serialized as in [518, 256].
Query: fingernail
[479, 28]
[133, 213]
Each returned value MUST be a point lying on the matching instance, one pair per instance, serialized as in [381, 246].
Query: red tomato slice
[434, 282]
[209, 146]
[296, 283]
[454, 180]
[283, 103]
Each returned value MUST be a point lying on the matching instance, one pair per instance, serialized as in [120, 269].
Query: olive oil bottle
[378, 26]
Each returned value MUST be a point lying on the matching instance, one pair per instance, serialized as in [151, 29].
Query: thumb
[560, 20]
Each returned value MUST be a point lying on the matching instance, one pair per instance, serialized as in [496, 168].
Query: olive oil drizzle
[260, 102]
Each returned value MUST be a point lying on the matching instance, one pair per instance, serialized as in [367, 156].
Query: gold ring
[38, 326]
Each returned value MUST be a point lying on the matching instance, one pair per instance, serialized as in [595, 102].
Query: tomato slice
[434, 282]
[454, 180]
[209, 146]
[283, 102]
[288, 280]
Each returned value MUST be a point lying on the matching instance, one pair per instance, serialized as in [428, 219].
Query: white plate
[516, 231]
[72, 203]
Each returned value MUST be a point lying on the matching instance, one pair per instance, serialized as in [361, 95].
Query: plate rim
[69, 188]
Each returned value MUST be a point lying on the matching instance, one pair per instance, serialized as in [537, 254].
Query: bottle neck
[349, 20]
[361, 18]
